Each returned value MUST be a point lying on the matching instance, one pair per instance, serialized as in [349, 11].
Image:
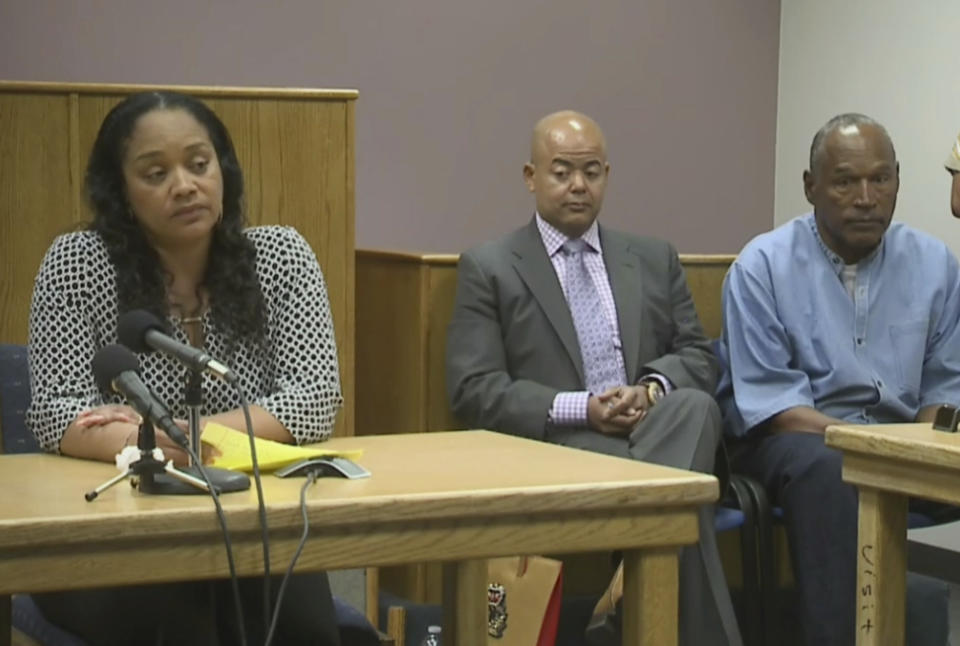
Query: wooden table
[889, 463]
[457, 497]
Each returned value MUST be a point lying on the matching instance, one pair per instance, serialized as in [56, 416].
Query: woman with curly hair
[168, 236]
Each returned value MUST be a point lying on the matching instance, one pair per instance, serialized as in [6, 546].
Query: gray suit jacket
[512, 346]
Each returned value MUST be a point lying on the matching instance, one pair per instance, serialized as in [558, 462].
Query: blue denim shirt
[794, 336]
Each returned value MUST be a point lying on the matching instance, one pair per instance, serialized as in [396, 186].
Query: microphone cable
[262, 509]
[311, 478]
[109, 364]
[133, 339]
[228, 544]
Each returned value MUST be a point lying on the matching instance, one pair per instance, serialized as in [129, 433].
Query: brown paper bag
[523, 601]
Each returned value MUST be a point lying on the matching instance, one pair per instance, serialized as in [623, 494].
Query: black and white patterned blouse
[74, 314]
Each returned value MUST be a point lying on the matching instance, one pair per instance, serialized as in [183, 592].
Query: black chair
[14, 400]
[738, 511]
[766, 558]
[17, 438]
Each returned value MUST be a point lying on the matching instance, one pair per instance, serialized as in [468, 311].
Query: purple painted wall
[685, 90]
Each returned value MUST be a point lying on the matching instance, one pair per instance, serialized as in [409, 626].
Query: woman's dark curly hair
[236, 301]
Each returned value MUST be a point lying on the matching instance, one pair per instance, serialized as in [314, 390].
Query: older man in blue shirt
[836, 316]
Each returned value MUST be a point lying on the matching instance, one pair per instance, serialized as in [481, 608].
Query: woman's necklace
[192, 324]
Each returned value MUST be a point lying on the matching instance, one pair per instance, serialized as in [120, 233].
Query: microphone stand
[193, 399]
[156, 477]
[223, 480]
[148, 471]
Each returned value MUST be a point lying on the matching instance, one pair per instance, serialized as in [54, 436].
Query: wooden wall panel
[391, 360]
[442, 276]
[295, 148]
[705, 274]
[36, 188]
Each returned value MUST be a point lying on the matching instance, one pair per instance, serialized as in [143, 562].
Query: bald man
[565, 331]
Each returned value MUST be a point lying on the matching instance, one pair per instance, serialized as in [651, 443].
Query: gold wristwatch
[654, 391]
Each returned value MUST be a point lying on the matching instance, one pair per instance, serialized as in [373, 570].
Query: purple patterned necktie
[600, 366]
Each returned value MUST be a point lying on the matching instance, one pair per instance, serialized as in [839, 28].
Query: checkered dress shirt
[570, 408]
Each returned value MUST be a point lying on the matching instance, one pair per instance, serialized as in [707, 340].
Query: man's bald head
[564, 127]
[567, 171]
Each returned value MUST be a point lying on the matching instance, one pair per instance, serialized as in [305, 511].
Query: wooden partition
[296, 148]
[404, 303]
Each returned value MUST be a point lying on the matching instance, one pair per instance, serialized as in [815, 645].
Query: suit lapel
[535, 269]
[626, 285]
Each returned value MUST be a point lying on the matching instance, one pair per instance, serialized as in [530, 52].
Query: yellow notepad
[234, 448]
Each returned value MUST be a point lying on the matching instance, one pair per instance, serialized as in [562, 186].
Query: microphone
[116, 369]
[141, 331]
